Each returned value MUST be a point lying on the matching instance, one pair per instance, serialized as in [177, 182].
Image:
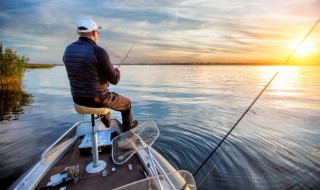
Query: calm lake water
[275, 146]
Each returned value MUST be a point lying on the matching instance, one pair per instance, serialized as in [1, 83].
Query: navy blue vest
[82, 68]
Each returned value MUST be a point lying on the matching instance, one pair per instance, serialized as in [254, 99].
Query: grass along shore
[38, 65]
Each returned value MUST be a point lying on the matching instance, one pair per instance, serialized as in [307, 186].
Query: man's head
[88, 28]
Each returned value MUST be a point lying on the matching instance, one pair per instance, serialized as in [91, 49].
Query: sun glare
[307, 54]
[286, 79]
[306, 49]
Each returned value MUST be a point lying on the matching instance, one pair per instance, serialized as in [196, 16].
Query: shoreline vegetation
[12, 67]
[39, 66]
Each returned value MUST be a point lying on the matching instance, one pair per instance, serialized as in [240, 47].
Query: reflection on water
[12, 99]
[276, 145]
[286, 81]
[12, 102]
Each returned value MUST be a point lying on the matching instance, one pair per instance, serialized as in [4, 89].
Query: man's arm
[106, 70]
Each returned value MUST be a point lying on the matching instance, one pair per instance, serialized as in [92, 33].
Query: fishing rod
[266, 86]
[128, 53]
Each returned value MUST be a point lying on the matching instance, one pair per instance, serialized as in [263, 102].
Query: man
[90, 72]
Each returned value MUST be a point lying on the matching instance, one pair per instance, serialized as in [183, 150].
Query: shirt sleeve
[107, 73]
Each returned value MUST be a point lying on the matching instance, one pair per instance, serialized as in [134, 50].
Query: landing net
[127, 144]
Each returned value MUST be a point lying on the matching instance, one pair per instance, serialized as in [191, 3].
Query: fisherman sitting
[90, 71]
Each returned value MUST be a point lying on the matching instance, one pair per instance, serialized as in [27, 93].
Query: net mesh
[178, 180]
[127, 144]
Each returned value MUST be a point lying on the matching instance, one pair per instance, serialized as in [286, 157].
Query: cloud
[34, 47]
[193, 29]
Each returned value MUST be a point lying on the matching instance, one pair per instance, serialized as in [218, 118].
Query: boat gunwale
[44, 154]
[24, 182]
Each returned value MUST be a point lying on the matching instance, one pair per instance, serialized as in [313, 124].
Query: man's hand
[118, 68]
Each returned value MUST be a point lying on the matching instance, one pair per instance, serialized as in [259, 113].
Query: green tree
[12, 66]
[12, 97]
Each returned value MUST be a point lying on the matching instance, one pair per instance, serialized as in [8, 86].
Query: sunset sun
[308, 53]
[307, 48]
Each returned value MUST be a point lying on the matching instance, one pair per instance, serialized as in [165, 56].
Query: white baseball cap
[87, 25]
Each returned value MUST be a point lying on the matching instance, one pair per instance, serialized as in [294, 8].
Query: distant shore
[199, 63]
[219, 64]
[39, 65]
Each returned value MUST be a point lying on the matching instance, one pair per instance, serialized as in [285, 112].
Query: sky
[217, 31]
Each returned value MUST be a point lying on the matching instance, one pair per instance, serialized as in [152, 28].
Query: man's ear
[94, 34]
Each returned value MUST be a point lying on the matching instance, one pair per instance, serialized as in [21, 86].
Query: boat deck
[115, 179]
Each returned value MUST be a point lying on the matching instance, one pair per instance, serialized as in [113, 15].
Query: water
[275, 146]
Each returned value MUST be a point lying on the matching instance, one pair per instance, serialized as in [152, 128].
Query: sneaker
[133, 125]
[105, 121]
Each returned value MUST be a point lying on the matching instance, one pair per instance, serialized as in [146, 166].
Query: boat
[116, 161]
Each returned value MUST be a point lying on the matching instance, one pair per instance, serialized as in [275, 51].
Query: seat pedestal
[100, 166]
[96, 165]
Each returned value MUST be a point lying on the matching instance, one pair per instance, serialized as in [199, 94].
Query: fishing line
[228, 149]
[124, 58]
[266, 86]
